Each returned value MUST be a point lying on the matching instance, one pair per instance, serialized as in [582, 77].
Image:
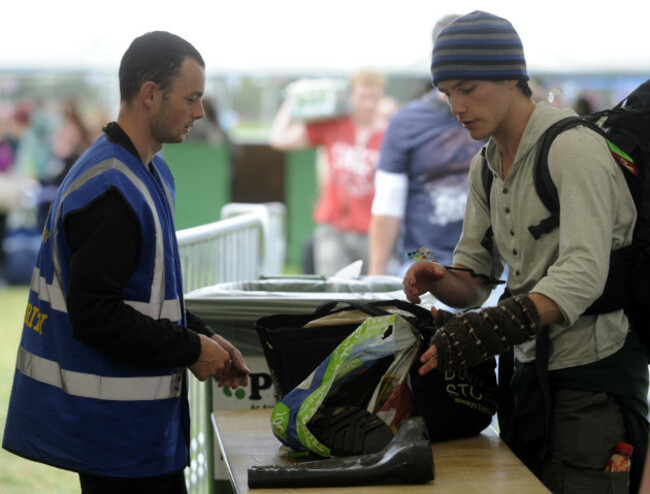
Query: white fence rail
[226, 250]
[273, 217]
[248, 242]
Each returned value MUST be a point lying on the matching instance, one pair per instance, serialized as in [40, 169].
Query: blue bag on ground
[20, 250]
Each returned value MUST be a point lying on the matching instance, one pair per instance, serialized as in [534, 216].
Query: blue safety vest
[71, 405]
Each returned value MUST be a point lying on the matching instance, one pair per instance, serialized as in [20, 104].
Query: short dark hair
[155, 56]
[525, 87]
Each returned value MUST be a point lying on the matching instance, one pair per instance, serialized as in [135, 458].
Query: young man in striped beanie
[589, 392]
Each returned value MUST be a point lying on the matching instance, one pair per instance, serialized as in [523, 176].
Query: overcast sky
[340, 35]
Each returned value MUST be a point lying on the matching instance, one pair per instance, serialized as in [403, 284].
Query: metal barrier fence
[226, 250]
[232, 249]
[273, 216]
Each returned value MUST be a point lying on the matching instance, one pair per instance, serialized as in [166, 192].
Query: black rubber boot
[407, 459]
[348, 430]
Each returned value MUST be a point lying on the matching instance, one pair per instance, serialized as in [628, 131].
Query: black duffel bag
[453, 404]
[295, 344]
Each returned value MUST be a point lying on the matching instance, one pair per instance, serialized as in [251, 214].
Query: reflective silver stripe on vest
[168, 193]
[168, 309]
[50, 293]
[94, 386]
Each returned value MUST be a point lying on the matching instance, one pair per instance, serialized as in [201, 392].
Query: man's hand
[220, 360]
[238, 371]
[429, 360]
[468, 338]
[421, 278]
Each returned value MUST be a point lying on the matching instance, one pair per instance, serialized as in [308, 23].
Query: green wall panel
[300, 195]
[202, 175]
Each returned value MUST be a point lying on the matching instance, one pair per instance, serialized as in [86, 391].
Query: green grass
[17, 475]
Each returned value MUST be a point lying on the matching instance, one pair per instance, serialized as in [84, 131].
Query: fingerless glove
[469, 338]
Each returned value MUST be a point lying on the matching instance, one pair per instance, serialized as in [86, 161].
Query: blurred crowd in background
[42, 134]
[39, 142]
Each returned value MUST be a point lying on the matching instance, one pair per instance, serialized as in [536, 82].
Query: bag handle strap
[372, 308]
[328, 307]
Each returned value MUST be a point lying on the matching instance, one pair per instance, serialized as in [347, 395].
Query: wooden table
[477, 465]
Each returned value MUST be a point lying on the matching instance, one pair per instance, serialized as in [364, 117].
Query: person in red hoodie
[351, 144]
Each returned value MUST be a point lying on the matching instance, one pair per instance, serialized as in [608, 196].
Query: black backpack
[627, 130]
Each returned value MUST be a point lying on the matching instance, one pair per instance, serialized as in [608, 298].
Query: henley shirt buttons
[507, 210]
[512, 233]
[514, 252]
[505, 190]
[517, 272]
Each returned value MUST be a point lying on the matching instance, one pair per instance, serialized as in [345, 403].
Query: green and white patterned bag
[369, 369]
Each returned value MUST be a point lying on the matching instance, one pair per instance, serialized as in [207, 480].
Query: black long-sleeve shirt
[105, 240]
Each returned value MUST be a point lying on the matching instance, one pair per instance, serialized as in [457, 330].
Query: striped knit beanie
[478, 46]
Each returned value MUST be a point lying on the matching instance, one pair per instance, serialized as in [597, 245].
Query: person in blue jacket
[421, 182]
[100, 386]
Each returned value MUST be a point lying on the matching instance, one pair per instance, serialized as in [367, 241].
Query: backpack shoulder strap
[486, 179]
[486, 175]
[542, 180]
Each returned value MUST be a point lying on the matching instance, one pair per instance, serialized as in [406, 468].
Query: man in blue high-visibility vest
[100, 385]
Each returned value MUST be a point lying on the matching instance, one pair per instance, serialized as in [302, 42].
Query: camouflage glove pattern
[468, 338]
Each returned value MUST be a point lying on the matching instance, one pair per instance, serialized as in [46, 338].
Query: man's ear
[149, 92]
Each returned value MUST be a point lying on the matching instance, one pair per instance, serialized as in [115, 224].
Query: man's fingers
[429, 359]
[431, 352]
[233, 375]
[410, 291]
[429, 365]
[426, 368]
